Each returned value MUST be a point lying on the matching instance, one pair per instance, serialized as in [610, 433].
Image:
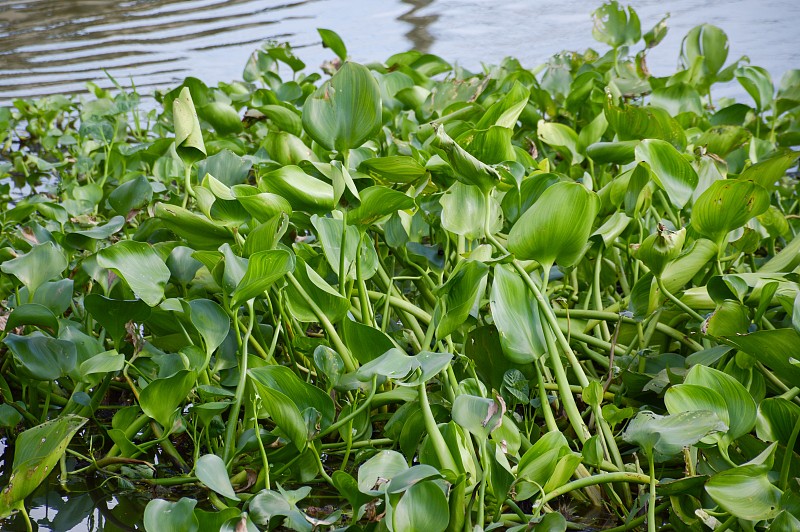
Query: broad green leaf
[614, 27]
[395, 169]
[464, 211]
[677, 99]
[211, 471]
[188, 135]
[468, 169]
[329, 232]
[635, 123]
[557, 227]
[620, 152]
[197, 230]
[166, 516]
[506, 111]
[670, 170]
[304, 193]
[695, 398]
[769, 172]
[479, 415]
[161, 398]
[222, 116]
[740, 404]
[88, 238]
[422, 507]
[39, 265]
[182, 265]
[102, 363]
[225, 166]
[776, 420]
[516, 316]
[262, 206]
[561, 137]
[133, 194]
[459, 295]
[758, 83]
[43, 357]
[364, 342]
[263, 269]
[32, 314]
[774, 348]
[745, 492]
[374, 474]
[36, 452]
[329, 301]
[666, 436]
[305, 396]
[727, 205]
[707, 45]
[210, 321]
[345, 111]
[114, 314]
[139, 265]
[658, 250]
[331, 39]
[377, 202]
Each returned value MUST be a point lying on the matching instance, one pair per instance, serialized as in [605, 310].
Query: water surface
[56, 46]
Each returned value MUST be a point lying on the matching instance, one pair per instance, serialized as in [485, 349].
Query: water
[56, 46]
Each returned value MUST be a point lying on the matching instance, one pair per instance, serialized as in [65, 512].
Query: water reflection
[420, 34]
[53, 46]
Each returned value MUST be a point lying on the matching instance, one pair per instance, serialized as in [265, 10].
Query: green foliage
[437, 299]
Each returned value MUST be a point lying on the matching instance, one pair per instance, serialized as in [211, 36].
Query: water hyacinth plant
[411, 297]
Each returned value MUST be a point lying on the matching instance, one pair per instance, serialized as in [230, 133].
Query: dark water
[55, 46]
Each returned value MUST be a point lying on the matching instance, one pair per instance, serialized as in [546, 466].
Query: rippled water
[52, 46]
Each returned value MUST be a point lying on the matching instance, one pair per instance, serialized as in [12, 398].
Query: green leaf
[197, 230]
[422, 507]
[516, 316]
[374, 474]
[166, 516]
[43, 357]
[464, 211]
[632, 122]
[479, 415]
[669, 169]
[188, 135]
[329, 232]
[32, 314]
[561, 137]
[331, 39]
[614, 27]
[658, 250]
[304, 193]
[263, 269]
[776, 420]
[769, 172]
[305, 396]
[39, 265]
[620, 152]
[394, 169]
[727, 205]
[557, 227]
[345, 111]
[211, 471]
[329, 301]
[468, 169]
[758, 83]
[745, 492]
[377, 202]
[666, 436]
[774, 348]
[161, 398]
[225, 166]
[222, 116]
[459, 295]
[210, 321]
[133, 194]
[36, 452]
[139, 265]
[114, 314]
[707, 45]
[365, 342]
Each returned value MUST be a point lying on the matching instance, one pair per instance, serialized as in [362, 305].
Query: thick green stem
[437, 440]
[651, 507]
[603, 478]
[233, 419]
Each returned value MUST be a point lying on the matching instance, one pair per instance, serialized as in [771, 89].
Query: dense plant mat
[411, 297]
